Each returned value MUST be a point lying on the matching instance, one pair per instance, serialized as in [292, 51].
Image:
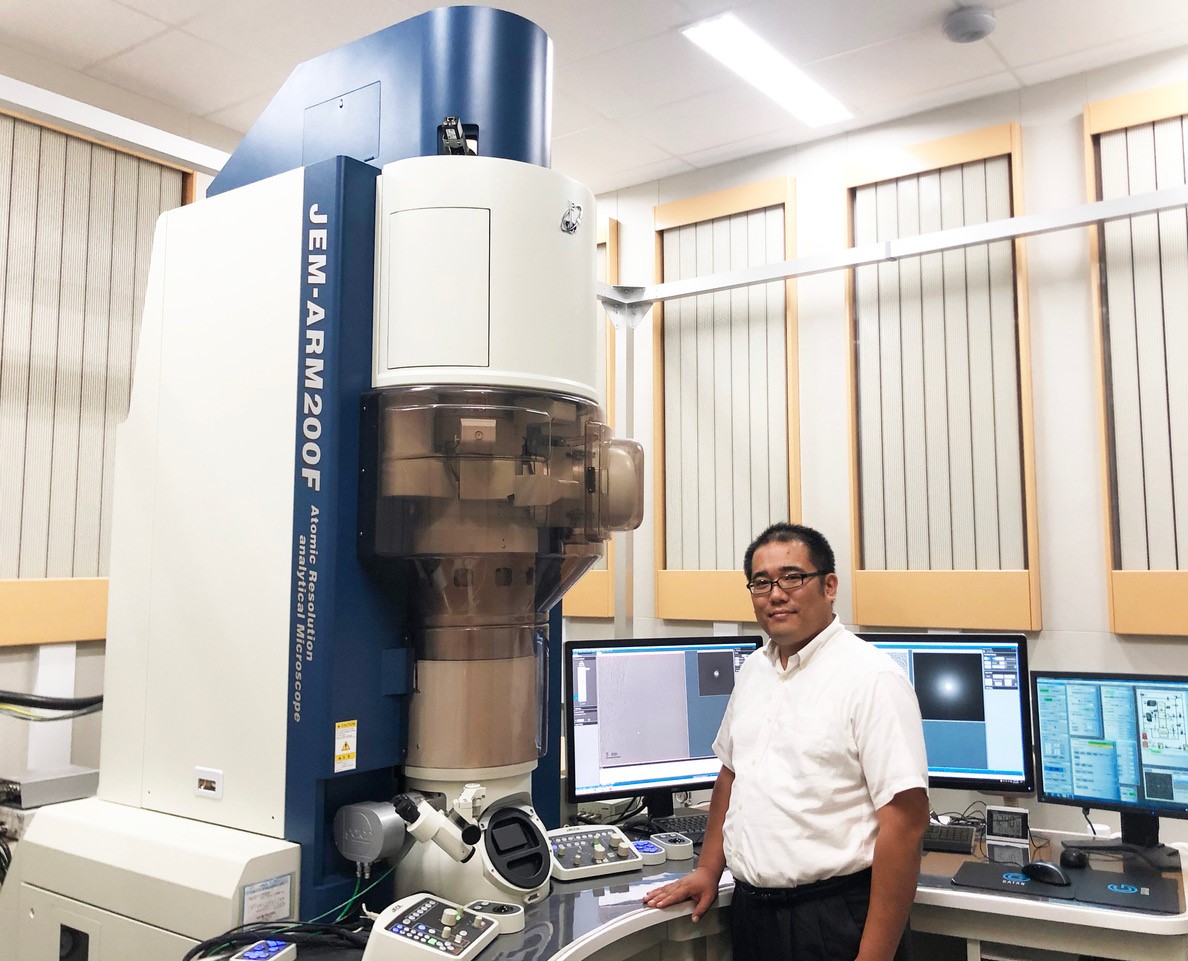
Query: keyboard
[691, 826]
[956, 838]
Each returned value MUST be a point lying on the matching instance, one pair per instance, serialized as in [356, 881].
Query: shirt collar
[806, 653]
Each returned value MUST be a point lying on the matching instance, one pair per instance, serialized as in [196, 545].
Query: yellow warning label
[346, 740]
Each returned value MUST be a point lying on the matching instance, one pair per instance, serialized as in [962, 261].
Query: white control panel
[676, 846]
[509, 917]
[421, 925]
[588, 851]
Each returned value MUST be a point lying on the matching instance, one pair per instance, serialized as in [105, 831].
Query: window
[726, 405]
[76, 230]
[945, 519]
[1140, 144]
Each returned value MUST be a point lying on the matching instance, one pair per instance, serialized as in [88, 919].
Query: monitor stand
[659, 804]
[1140, 838]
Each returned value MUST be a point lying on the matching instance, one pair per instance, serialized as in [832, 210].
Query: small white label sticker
[346, 737]
[270, 900]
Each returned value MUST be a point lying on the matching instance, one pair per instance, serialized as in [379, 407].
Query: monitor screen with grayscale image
[642, 715]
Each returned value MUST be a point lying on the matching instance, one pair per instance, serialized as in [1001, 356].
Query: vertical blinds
[1144, 266]
[76, 230]
[937, 369]
[725, 393]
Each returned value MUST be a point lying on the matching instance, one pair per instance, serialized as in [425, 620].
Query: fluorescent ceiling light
[729, 40]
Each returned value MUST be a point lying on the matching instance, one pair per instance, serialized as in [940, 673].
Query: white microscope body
[495, 498]
[364, 457]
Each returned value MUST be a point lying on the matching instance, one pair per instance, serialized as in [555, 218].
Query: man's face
[792, 618]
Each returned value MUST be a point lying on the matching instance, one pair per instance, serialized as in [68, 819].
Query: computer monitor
[1118, 742]
[973, 696]
[643, 715]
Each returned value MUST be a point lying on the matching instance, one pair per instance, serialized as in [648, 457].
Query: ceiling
[634, 100]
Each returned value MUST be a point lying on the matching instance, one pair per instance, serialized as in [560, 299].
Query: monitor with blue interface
[643, 715]
[973, 695]
[1117, 742]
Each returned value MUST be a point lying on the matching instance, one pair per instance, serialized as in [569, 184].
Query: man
[821, 802]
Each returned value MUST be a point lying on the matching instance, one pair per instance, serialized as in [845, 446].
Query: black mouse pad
[1138, 892]
[1006, 879]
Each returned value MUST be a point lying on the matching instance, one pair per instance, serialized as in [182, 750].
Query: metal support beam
[633, 302]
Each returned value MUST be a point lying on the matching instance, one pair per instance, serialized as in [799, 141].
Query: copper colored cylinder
[474, 713]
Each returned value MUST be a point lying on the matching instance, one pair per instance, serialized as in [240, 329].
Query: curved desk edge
[641, 919]
[1088, 915]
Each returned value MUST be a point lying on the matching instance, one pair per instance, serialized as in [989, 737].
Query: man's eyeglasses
[789, 582]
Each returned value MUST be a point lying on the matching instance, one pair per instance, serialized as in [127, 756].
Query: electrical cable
[349, 902]
[294, 932]
[962, 817]
[48, 702]
[315, 931]
[630, 812]
[23, 714]
[975, 818]
[5, 855]
[1038, 841]
[1118, 852]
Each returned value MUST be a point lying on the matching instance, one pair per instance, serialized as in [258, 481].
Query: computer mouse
[1046, 873]
[1074, 858]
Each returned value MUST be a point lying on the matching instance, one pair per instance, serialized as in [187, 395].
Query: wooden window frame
[64, 610]
[963, 599]
[720, 595]
[1140, 602]
[594, 593]
[52, 610]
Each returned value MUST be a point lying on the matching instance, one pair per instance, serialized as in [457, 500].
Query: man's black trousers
[822, 921]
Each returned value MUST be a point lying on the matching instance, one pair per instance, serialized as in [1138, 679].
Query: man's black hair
[820, 553]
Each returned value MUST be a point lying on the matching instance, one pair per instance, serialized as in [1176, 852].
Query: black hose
[50, 703]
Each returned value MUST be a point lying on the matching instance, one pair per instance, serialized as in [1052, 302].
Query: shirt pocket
[805, 745]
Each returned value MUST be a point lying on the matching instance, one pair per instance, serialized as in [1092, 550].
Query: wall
[65, 670]
[1065, 380]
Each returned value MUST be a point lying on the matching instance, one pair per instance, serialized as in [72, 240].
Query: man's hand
[700, 886]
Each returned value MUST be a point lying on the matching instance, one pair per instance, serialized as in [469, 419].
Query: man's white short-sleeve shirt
[816, 748]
